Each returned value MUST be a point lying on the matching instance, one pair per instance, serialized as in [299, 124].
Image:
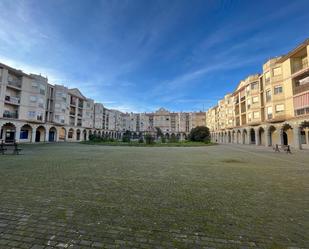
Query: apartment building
[268, 108]
[33, 110]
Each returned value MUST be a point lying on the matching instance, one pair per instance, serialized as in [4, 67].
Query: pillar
[17, 133]
[280, 134]
[33, 135]
[296, 135]
[46, 135]
[267, 138]
[257, 137]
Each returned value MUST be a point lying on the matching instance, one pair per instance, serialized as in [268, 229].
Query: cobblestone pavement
[85, 196]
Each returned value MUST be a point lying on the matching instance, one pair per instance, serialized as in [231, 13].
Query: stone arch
[71, 134]
[244, 136]
[26, 133]
[8, 132]
[167, 135]
[287, 136]
[261, 134]
[252, 136]
[304, 134]
[272, 135]
[62, 134]
[52, 134]
[238, 136]
[78, 133]
[40, 134]
[84, 135]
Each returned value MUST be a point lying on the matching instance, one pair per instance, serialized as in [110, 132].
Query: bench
[4, 147]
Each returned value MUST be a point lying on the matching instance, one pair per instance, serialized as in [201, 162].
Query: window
[277, 71]
[268, 95]
[34, 84]
[279, 108]
[278, 90]
[33, 98]
[249, 116]
[39, 116]
[42, 89]
[41, 103]
[269, 112]
[254, 86]
[24, 134]
[255, 99]
[31, 114]
[256, 115]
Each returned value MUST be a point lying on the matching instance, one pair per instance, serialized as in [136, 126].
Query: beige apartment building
[33, 110]
[268, 108]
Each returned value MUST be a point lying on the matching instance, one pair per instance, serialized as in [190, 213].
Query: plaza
[72, 195]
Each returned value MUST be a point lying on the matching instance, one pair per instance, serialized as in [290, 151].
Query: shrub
[126, 137]
[200, 134]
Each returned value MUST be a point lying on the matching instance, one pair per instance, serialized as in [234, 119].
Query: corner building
[268, 108]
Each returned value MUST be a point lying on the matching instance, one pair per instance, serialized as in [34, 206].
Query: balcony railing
[72, 113]
[12, 100]
[297, 67]
[14, 83]
[8, 114]
[301, 88]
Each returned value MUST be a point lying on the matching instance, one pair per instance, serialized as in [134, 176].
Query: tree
[126, 137]
[200, 134]
[149, 139]
[159, 132]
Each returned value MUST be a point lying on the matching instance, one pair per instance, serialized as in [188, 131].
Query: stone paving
[85, 196]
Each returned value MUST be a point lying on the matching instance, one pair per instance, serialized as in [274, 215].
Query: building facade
[33, 110]
[268, 109]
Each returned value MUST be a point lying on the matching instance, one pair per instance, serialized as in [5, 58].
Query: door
[37, 136]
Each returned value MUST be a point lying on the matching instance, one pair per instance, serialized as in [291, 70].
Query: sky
[138, 55]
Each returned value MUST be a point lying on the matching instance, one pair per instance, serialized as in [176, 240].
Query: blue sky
[138, 55]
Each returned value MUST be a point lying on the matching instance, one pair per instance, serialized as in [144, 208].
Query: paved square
[85, 196]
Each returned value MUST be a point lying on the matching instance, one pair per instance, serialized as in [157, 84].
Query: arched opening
[233, 136]
[287, 135]
[273, 136]
[25, 133]
[244, 136]
[62, 134]
[238, 137]
[8, 131]
[78, 134]
[252, 136]
[40, 134]
[90, 134]
[85, 135]
[262, 136]
[71, 134]
[52, 134]
[229, 137]
[167, 136]
[99, 133]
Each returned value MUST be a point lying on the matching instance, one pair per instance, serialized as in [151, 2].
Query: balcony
[301, 84]
[14, 83]
[299, 65]
[80, 105]
[12, 100]
[8, 114]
